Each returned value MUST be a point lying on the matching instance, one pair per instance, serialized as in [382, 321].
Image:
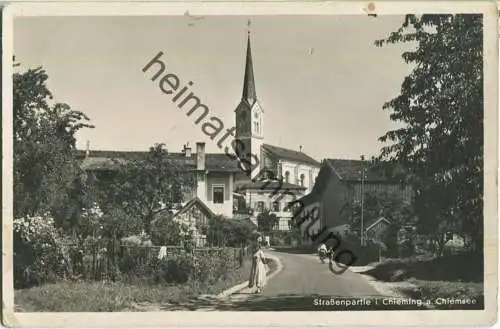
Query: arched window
[287, 176]
[302, 179]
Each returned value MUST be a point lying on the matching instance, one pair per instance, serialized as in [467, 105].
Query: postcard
[249, 164]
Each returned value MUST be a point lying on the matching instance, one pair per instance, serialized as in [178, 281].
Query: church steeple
[250, 116]
[249, 93]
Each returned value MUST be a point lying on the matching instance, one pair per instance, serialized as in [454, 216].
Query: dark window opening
[218, 194]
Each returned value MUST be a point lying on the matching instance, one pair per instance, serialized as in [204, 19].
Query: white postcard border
[289, 319]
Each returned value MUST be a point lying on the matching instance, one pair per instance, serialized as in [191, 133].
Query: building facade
[274, 197]
[341, 182]
[215, 173]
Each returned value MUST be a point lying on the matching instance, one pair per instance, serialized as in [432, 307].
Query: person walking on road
[258, 271]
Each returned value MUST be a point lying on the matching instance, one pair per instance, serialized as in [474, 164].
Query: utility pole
[362, 206]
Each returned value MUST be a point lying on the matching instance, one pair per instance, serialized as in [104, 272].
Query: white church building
[292, 166]
[291, 173]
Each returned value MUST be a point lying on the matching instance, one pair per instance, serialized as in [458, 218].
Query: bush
[167, 232]
[267, 221]
[38, 254]
[352, 253]
[137, 261]
[277, 241]
[230, 232]
[178, 269]
[200, 267]
[285, 238]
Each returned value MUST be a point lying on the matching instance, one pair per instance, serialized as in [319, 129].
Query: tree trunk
[147, 223]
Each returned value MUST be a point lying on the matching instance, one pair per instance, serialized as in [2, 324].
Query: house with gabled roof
[195, 215]
[215, 173]
[341, 182]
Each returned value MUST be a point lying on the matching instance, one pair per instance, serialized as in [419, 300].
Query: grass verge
[115, 296]
[465, 267]
[436, 278]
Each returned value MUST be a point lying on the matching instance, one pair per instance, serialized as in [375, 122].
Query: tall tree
[441, 109]
[46, 173]
[145, 185]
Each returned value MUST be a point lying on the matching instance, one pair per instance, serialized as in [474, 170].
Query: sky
[319, 79]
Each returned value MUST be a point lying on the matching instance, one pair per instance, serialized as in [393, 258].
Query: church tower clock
[250, 116]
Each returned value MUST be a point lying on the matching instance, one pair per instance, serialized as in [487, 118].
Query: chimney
[87, 150]
[187, 150]
[200, 155]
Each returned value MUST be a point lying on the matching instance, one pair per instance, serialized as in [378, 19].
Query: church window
[218, 194]
[276, 206]
[256, 115]
[287, 176]
[260, 206]
[257, 128]
[302, 179]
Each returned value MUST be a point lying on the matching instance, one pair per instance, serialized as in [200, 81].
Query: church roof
[109, 160]
[291, 155]
[249, 94]
[270, 186]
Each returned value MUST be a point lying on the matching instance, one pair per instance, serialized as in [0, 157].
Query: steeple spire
[249, 93]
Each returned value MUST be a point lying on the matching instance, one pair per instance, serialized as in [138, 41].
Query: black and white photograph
[194, 158]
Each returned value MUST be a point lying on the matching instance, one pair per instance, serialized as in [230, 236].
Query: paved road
[302, 284]
[304, 274]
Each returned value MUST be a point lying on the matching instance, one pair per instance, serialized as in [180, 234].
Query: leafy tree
[375, 205]
[266, 221]
[441, 109]
[230, 232]
[117, 224]
[145, 185]
[47, 177]
[167, 232]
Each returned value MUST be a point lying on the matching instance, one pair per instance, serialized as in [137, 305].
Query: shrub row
[181, 267]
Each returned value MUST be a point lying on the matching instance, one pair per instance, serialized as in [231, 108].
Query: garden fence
[110, 262]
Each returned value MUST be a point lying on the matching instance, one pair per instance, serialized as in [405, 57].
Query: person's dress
[258, 271]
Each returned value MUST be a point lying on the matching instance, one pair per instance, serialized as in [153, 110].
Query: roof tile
[351, 170]
[108, 160]
[291, 155]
